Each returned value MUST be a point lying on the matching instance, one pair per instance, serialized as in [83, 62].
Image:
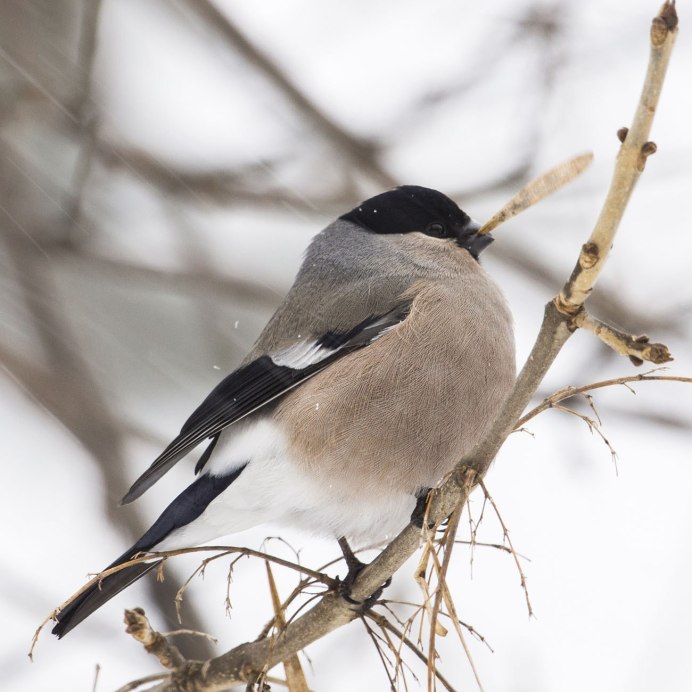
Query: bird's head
[415, 209]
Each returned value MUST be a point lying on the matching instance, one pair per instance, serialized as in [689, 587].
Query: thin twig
[382, 621]
[569, 392]
[505, 532]
[594, 426]
[142, 681]
[385, 662]
[637, 348]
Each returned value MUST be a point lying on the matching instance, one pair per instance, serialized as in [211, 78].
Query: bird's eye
[437, 230]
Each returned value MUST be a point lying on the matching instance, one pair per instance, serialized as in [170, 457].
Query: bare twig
[505, 532]
[569, 392]
[593, 425]
[637, 348]
[193, 633]
[628, 167]
[142, 681]
[385, 624]
[383, 659]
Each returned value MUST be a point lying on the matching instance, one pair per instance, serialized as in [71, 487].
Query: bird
[386, 362]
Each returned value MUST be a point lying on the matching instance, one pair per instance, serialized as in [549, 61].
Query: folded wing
[256, 384]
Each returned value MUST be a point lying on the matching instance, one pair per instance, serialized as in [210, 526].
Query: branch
[85, 118]
[360, 152]
[629, 166]
[637, 348]
[154, 642]
[569, 392]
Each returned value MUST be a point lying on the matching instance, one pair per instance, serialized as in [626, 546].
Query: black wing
[256, 384]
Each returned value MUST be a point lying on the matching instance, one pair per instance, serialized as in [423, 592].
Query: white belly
[272, 488]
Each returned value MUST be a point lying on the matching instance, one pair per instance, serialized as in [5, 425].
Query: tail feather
[187, 507]
[101, 592]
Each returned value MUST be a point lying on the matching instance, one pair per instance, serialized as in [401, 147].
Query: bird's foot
[355, 566]
[420, 512]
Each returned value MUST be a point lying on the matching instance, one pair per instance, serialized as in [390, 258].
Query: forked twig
[385, 624]
[568, 392]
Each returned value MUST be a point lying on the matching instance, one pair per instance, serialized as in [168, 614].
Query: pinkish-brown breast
[402, 411]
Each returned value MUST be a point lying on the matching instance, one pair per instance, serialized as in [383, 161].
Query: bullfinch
[385, 363]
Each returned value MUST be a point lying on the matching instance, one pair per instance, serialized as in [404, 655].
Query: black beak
[467, 237]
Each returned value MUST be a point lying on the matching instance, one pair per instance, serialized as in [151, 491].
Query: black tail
[94, 597]
[183, 510]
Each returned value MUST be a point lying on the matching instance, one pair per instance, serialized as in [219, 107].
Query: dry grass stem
[295, 676]
[447, 544]
[449, 603]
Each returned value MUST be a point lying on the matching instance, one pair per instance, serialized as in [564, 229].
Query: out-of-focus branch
[61, 378]
[245, 662]
[84, 114]
[356, 150]
[230, 187]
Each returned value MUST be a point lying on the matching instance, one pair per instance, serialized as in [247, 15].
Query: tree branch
[629, 166]
[358, 151]
[154, 642]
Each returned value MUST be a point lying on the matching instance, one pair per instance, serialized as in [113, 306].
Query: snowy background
[163, 167]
